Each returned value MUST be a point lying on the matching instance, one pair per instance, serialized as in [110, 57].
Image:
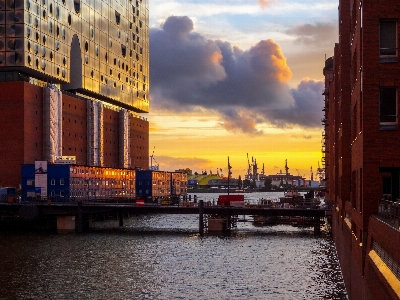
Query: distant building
[152, 184]
[283, 179]
[223, 183]
[60, 182]
[202, 180]
[74, 79]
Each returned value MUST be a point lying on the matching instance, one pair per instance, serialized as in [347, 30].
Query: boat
[292, 193]
[268, 202]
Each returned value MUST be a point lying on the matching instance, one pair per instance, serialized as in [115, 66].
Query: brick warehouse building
[74, 77]
[362, 143]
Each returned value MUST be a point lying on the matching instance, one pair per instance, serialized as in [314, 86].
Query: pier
[75, 215]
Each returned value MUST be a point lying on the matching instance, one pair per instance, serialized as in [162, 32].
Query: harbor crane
[157, 166]
[286, 171]
[248, 167]
[312, 174]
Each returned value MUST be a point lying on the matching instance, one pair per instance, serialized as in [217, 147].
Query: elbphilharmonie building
[74, 81]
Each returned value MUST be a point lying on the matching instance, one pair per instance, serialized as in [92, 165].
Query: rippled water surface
[163, 257]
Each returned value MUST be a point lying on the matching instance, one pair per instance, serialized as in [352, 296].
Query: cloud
[265, 3]
[314, 34]
[306, 112]
[175, 163]
[245, 87]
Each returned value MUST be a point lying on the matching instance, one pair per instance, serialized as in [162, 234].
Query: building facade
[69, 182]
[155, 185]
[74, 80]
[76, 183]
[361, 147]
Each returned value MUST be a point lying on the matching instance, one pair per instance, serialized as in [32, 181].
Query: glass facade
[97, 47]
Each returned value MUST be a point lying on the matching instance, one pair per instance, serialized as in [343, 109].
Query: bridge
[73, 215]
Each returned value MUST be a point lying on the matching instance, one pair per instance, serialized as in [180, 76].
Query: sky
[239, 79]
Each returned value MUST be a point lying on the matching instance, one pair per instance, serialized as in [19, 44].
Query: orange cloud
[283, 71]
[265, 3]
[216, 57]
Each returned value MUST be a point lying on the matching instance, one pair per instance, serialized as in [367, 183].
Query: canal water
[163, 257]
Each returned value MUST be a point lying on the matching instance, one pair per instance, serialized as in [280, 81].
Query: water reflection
[163, 257]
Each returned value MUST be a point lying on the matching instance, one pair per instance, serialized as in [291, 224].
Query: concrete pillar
[317, 228]
[121, 219]
[79, 220]
[66, 223]
[201, 217]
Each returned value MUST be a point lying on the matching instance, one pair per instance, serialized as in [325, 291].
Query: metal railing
[389, 210]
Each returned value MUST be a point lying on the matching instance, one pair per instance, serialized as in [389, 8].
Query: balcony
[389, 212]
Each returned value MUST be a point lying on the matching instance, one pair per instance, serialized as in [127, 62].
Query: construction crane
[286, 171]
[320, 173]
[157, 166]
[255, 168]
[248, 167]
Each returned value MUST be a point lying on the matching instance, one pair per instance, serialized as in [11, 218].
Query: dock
[75, 215]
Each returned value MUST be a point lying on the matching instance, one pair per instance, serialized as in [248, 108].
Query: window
[117, 17]
[77, 6]
[387, 187]
[388, 38]
[53, 182]
[388, 106]
[123, 50]
[62, 181]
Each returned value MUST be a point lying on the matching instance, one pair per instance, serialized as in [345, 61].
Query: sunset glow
[228, 85]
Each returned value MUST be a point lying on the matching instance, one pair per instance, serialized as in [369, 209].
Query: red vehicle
[231, 200]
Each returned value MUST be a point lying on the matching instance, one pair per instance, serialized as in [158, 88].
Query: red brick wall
[21, 131]
[358, 77]
[389, 239]
[74, 128]
[111, 138]
[139, 147]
